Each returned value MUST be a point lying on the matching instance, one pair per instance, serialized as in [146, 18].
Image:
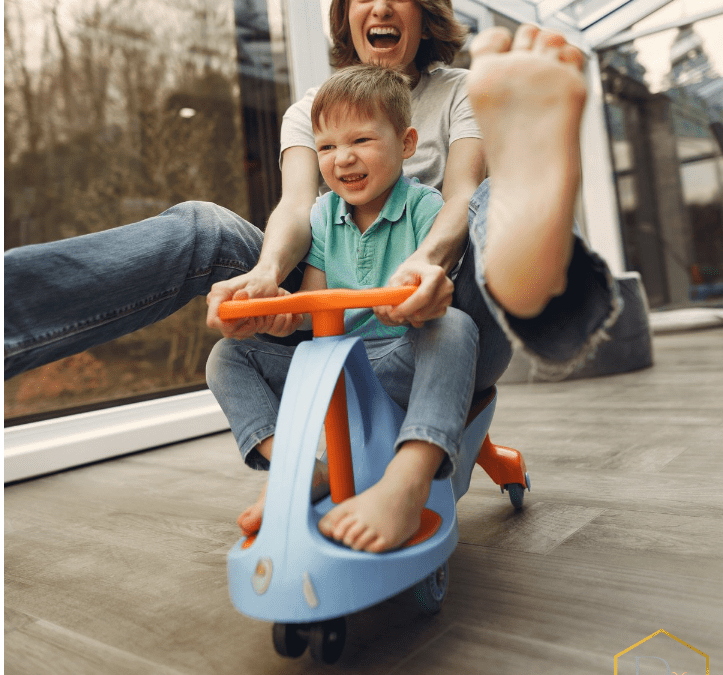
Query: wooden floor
[119, 568]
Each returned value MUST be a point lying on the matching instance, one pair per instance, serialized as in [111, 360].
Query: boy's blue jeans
[429, 371]
[63, 297]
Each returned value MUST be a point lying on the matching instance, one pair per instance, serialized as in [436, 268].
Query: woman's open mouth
[383, 37]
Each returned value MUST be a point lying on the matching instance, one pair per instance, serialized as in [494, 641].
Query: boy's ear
[410, 142]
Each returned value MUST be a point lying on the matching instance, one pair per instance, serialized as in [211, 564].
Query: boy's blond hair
[366, 90]
[446, 35]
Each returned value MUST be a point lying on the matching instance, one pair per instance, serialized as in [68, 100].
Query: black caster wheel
[431, 591]
[289, 639]
[517, 492]
[327, 639]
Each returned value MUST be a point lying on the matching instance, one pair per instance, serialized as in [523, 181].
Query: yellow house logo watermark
[658, 655]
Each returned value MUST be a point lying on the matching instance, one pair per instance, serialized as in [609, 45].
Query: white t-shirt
[441, 114]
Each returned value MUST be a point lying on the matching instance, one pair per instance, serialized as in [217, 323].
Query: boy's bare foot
[250, 519]
[388, 513]
[528, 94]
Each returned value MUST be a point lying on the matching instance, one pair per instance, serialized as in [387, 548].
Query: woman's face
[387, 32]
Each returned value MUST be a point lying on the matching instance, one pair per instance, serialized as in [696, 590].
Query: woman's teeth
[383, 38]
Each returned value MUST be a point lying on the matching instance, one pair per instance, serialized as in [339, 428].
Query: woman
[524, 279]
[529, 249]
[66, 296]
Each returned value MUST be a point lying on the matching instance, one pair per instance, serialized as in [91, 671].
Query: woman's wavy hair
[446, 34]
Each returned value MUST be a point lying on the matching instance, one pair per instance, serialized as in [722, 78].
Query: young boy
[373, 219]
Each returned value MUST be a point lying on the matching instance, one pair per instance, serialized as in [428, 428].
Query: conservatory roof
[596, 23]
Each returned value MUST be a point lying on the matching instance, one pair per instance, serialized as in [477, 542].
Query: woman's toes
[525, 37]
[573, 56]
[548, 42]
[491, 41]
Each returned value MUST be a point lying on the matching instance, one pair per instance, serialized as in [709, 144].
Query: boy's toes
[250, 521]
[342, 528]
[376, 545]
[328, 524]
[353, 534]
[365, 540]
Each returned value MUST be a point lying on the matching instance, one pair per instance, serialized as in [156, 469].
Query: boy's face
[361, 157]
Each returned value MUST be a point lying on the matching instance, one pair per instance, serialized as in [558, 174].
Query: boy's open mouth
[355, 178]
[385, 37]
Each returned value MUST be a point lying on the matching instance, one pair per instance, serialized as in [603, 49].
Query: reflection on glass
[114, 111]
[584, 12]
[664, 101]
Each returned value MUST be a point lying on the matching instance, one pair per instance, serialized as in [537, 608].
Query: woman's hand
[429, 301]
[255, 284]
[444, 244]
[286, 240]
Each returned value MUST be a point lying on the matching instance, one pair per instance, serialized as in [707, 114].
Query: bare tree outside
[114, 111]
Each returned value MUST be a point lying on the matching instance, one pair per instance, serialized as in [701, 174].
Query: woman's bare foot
[528, 94]
[388, 513]
[250, 519]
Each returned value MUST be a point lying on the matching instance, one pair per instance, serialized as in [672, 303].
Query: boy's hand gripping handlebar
[327, 315]
[326, 306]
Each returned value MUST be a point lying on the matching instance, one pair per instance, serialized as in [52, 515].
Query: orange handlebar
[314, 301]
[327, 310]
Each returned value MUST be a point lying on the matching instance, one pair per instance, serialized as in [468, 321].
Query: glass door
[114, 111]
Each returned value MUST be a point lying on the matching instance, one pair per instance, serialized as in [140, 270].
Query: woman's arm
[286, 242]
[440, 250]
[465, 170]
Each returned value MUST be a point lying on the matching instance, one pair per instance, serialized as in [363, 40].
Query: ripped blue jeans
[65, 296]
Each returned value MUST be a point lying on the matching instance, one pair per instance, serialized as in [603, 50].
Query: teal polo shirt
[351, 259]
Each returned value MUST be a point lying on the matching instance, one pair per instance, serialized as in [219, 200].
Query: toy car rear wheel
[431, 591]
[517, 494]
[289, 639]
[327, 639]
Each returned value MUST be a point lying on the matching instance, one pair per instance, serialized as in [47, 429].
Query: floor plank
[120, 567]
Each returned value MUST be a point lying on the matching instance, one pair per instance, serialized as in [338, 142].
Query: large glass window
[664, 100]
[114, 111]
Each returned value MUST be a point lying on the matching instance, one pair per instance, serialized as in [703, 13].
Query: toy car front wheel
[327, 639]
[289, 639]
[431, 591]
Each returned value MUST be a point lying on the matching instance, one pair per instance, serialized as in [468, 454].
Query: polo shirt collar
[391, 211]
